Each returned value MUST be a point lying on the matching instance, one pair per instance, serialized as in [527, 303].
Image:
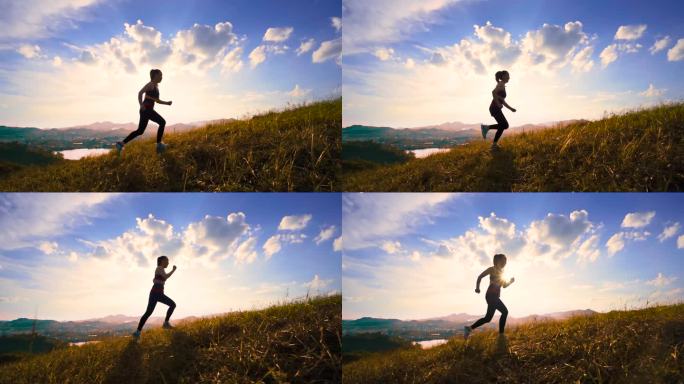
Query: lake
[425, 152]
[82, 343]
[76, 154]
[427, 344]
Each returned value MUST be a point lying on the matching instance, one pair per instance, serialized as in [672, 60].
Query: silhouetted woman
[147, 112]
[493, 294]
[496, 106]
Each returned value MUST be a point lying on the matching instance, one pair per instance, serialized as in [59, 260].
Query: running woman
[157, 295]
[496, 107]
[494, 303]
[147, 112]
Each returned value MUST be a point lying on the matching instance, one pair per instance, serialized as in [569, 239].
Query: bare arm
[511, 281]
[479, 278]
[499, 101]
[167, 275]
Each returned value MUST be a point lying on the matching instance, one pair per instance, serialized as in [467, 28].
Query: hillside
[293, 150]
[641, 150]
[638, 346]
[297, 342]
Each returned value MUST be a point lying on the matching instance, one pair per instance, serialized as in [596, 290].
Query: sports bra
[149, 103]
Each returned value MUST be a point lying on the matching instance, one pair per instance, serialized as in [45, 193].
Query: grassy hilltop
[293, 150]
[296, 342]
[638, 346]
[642, 150]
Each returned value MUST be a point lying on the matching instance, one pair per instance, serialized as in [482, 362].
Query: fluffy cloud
[29, 51]
[609, 55]
[669, 231]
[617, 242]
[331, 49]
[305, 46]
[676, 53]
[57, 61]
[297, 91]
[391, 247]
[204, 44]
[652, 91]
[294, 222]
[630, 32]
[554, 44]
[659, 45]
[245, 252]
[316, 284]
[680, 242]
[37, 18]
[637, 219]
[384, 54]
[257, 56]
[337, 244]
[336, 23]
[582, 62]
[214, 236]
[661, 280]
[326, 234]
[274, 243]
[278, 34]
[48, 247]
[589, 250]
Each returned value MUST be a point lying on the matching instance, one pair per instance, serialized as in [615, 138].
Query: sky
[75, 62]
[417, 256]
[80, 256]
[409, 63]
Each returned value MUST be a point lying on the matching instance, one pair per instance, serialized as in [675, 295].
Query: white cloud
[37, 18]
[257, 56]
[24, 217]
[630, 32]
[48, 247]
[331, 49]
[214, 237]
[554, 45]
[316, 284]
[278, 34]
[384, 54]
[676, 53]
[669, 231]
[232, 62]
[652, 91]
[410, 63]
[369, 23]
[661, 280]
[609, 55]
[245, 252]
[372, 219]
[680, 242]
[305, 46]
[272, 246]
[589, 250]
[660, 45]
[57, 61]
[637, 219]
[616, 243]
[294, 222]
[582, 61]
[29, 51]
[336, 23]
[391, 247]
[326, 234]
[297, 91]
[337, 244]
[73, 257]
[204, 45]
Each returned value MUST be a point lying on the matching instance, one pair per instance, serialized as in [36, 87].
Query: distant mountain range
[437, 325]
[432, 136]
[96, 135]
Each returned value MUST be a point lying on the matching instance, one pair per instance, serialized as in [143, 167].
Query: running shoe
[161, 147]
[136, 334]
[484, 129]
[495, 147]
[167, 325]
[119, 147]
[466, 332]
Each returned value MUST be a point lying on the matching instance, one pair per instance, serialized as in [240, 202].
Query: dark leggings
[493, 303]
[501, 122]
[154, 298]
[145, 116]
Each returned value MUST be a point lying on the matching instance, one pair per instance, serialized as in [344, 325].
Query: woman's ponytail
[499, 75]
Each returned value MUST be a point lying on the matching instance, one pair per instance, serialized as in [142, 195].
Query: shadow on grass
[501, 172]
[129, 366]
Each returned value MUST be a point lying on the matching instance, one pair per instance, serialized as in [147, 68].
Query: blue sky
[413, 256]
[426, 63]
[75, 62]
[78, 256]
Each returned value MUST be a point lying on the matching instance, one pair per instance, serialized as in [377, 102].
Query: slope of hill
[293, 150]
[638, 346]
[642, 150]
[297, 342]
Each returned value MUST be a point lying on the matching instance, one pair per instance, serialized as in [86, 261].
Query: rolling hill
[637, 346]
[295, 342]
[297, 149]
[640, 150]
